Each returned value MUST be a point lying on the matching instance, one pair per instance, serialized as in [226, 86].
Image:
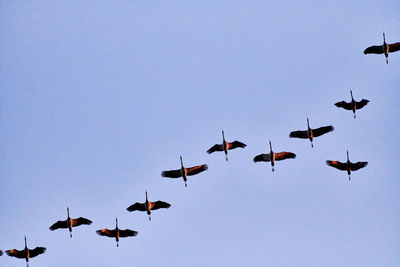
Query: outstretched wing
[236, 144]
[80, 221]
[322, 130]
[36, 251]
[375, 49]
[358, 165]
[216, 147]
[106, 232]
[394, 47]
[299, 134]
[159, 205]
[171, 174]
[127, 232]
[59, 224]
[344, 104]
[137, 206]
[1, 253]
[284, 155]
[196, 169]
[361, 104]
[262, 157]
[20, 254]
[337, 164]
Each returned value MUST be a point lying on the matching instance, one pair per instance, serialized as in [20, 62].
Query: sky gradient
[98, 98]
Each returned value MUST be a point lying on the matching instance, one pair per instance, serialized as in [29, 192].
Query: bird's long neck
[68, 212]
[308, 124]
[116, 223]
[26, 244]
[181, 162]
[223, 136]
[270, 148]
[384, 41]
[147, 200]
[347, 152]
[351, 93]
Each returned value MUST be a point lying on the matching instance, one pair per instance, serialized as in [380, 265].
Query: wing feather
[159, 205]
[216, 147]
[361, 104]
[322, 130]
[262, 157]
[299, 134]
[80, 221]
[127, 232]
[106, 232]
[36, 251]
[59, 224]
[375, 49]
[137, 206]
[197, 169]
[358, 165]
[236, 144]
[394, 47]
[20, 254]
[337, 164]
[171, 174]
[345, 105]
[284, 155]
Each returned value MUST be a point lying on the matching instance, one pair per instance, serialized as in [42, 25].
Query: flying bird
[225, 146]
[184, 172]
[347, 166]
[117, 233]
[385, 48]
[69, 223]
[311, 133]
[26, 253]
[148, 206]
[272, 156]
[353, 105]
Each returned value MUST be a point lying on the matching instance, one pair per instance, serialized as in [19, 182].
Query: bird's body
[116, 233]
[385, 48]
[184, 172]
[225, 146]
[353, 105]
[347, 166]
[272, 156]
[311, 133]
[26, 253]
[69, 223]
[148, 206]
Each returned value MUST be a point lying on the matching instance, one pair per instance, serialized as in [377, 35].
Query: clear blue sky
[98, 98]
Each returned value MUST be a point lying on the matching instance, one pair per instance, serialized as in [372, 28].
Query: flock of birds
[184, 172]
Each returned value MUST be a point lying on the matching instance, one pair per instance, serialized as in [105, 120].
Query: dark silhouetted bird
[1, 253]
[117, 233]
[353, 105]
[385, 48]
[225, 146]
[311, 133]
[272, 156]
[346, 166]
[26, 253]
[69, 223]
[184, 172]
[148, 206]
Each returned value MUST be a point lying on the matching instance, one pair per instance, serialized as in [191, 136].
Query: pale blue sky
[98, 98]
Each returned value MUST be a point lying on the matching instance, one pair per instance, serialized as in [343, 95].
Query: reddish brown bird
[184, 172]
[225, 146]
[311, 133]
[117, 233]
[385, 48]
[26, 253]
[272, 156]
[353, 105]
[148, 206]
[69, 223]
[347, 166]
